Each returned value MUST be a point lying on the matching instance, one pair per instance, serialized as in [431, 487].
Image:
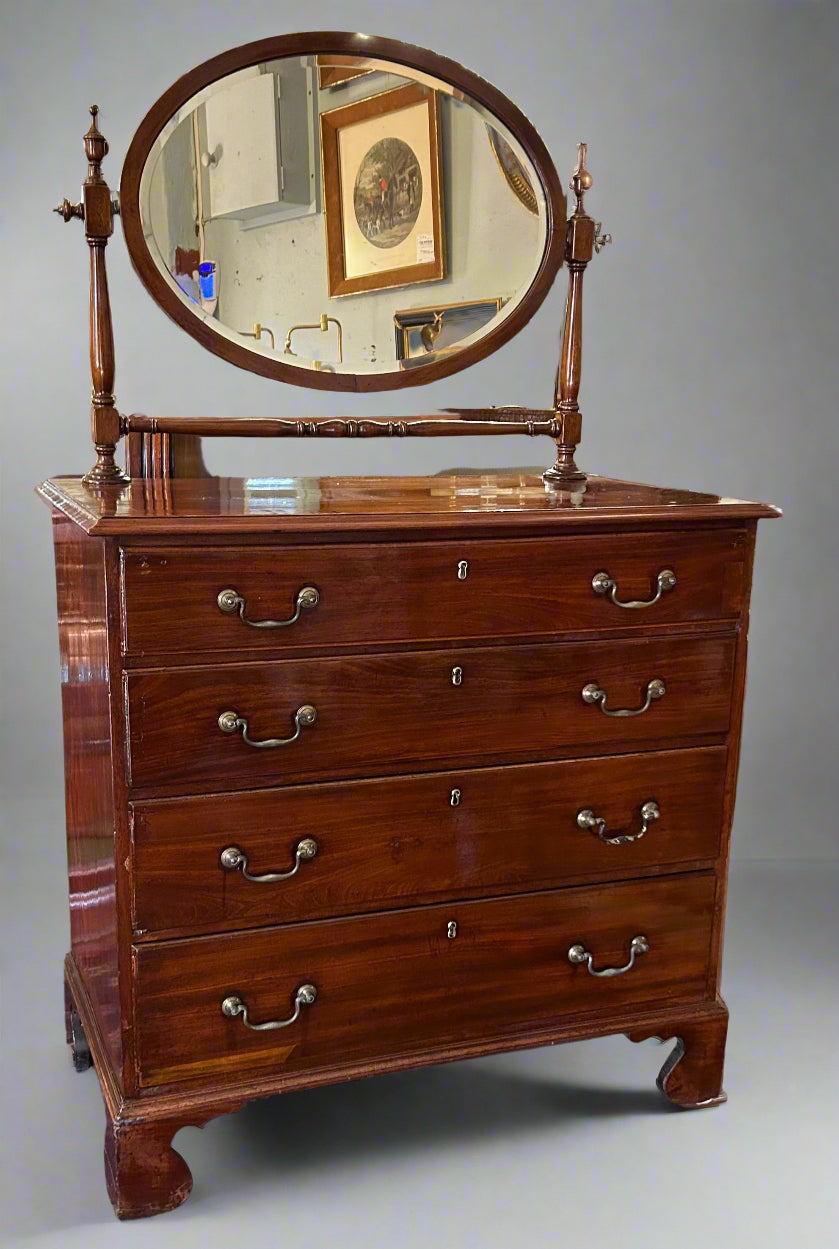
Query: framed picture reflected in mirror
[333, 70]
[425, 332]
[382, 191]
[513, 170]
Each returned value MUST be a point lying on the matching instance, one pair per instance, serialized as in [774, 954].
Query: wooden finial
[68, 211]
[95, 146]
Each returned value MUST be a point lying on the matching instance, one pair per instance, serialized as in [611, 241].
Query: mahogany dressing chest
[364, 774]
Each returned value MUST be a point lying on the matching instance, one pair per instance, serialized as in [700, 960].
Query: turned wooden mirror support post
[582, 239]
[97, 211]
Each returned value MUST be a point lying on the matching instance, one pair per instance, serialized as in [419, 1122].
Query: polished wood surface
[83, 635]
[398, 980]
[453, 423]
[410, 592]
[505, 503]
[381, 714]
[143, 1173]
[99, 224]
[368, 47]
[508, 864]
[579, 246]
[691, 1077]
[391, 843]
[97, 212]
[148, 1121]
[164, 455]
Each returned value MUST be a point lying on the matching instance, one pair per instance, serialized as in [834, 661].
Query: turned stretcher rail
[342, 427]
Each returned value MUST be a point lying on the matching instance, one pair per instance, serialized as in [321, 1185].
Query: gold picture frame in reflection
[515, 174]
[425, 333]
[333, 70]
[382, 191]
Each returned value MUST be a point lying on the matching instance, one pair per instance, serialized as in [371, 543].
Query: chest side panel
[89, 757]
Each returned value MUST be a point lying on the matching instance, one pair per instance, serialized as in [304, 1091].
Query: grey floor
[568, 1146]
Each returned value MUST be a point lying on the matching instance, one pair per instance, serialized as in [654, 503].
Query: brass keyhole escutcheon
[462, 569]
[454, 797]
[451, 929]
[457, 676]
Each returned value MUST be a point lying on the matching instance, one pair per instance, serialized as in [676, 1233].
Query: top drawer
[378, 593]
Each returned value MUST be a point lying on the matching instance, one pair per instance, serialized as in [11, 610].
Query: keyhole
[454, 798]
[462, 569]
[451, 929]
[457, 676]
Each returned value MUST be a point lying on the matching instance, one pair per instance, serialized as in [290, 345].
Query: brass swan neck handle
[579, 954]
[233, 1008]
[592, 693]
[232, 722]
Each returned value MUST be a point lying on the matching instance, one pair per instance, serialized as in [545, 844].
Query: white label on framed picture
[425, 247]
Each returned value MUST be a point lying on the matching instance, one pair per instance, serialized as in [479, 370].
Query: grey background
[710, 362]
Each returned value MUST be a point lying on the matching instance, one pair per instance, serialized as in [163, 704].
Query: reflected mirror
[342, 221]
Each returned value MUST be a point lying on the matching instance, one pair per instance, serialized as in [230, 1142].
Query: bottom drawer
[394, 983]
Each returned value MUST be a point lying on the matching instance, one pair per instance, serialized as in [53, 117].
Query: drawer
[382, 844]
[384, 714]
[386, 592]
[396, 982]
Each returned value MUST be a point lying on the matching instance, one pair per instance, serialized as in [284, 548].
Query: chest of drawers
[366, 775]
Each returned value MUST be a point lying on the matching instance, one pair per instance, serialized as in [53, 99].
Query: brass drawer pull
[232, 1007]
[588, 820]
[579, 954]
[233, 858]
[592, 693]
[602, 583]
[231, 722]
[229, 602]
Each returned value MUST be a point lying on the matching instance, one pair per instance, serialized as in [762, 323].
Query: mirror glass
[343, 214]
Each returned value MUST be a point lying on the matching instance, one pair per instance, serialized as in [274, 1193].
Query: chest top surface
[472, 500]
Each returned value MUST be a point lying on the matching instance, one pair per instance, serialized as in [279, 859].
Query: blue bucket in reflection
[207, 279]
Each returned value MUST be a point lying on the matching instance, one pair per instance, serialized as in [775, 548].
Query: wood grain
[397, 980]
[367, 918]
[80, 576]
[493, 504]
[196, 1101]
[384, 714]
[390, 843]
[143, 1173]
[691, 1077]
[410, 592]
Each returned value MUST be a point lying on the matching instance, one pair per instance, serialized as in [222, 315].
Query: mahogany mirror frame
[367, 47]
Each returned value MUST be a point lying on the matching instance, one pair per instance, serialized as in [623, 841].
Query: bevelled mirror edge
[170, 446]
[374, 51]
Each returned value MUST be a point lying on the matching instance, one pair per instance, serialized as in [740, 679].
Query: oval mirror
[342, 212]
